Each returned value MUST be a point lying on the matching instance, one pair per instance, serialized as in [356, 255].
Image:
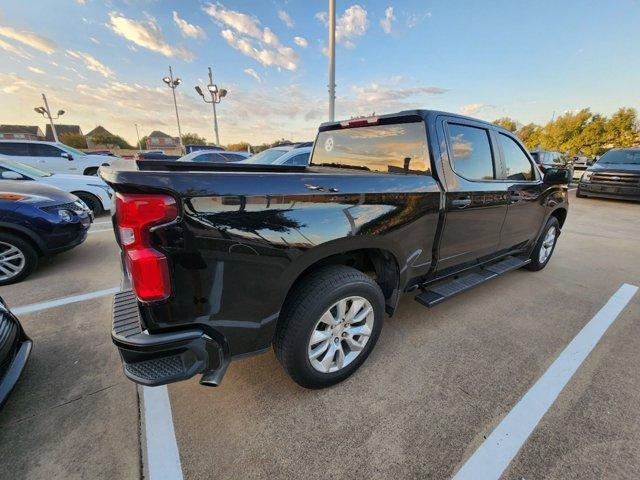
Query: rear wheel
[329, 325]
[545, 246]
[18, 258]
[91, 201]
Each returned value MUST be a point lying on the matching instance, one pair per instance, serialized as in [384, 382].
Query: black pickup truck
[224, 261]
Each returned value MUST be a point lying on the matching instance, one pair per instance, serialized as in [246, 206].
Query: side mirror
[66, 155]
[557, 176]
[11, 175]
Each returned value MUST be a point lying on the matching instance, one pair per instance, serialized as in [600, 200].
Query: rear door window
[516, 163]
[399, 148]
[301, 159]
[471, 155]
[44, 150]
[14, 148]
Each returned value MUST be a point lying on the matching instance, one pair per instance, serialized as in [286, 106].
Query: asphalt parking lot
[437, 384]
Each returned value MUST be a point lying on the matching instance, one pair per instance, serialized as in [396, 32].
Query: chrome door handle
[461, 202]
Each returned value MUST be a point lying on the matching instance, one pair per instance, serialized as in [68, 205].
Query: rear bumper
[162, 358]
[608, 191]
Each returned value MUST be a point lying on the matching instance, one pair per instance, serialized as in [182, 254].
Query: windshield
[23, 169]
[267, 157]
[72, 150]
[621, 156]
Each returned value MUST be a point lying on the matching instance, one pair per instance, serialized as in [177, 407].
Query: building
[21, 132]
[98, 130]
[158, 139]
[61, 130]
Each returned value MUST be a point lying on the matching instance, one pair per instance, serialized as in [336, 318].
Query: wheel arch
[560, 214]
[378, 262]
[25, 234]
[84, 192]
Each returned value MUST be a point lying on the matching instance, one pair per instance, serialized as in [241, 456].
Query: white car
[52, 157]
[91, 190]
[285, 155]
[214, 156]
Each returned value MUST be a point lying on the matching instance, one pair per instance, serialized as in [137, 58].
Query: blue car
[37, 221]
[15, 348]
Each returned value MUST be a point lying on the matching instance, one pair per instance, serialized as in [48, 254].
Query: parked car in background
[549, 159]
[90, 189]
[285, 155]
[52, 156]
[37, 220]
[615, 175]
[310, 259]
[154, 155]
[211, 156]
[192, 148]
[15, 348]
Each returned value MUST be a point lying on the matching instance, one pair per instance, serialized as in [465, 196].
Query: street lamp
[46, 113]
[173, 84]
[216, 97]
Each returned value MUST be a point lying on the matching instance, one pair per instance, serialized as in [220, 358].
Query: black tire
[307, 302]
[536, 263]
[92, 202]
[579, 193]
[28, 251]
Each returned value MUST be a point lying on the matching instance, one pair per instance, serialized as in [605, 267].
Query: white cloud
[301, 42]
[351, 24]
[473, 108]
[413, 19]
[30, 39]
[94, 40]
[16, 50]
[81, 2]
[388, 19]
[286, 18]
[188, 29]
[36, 70]
[374, 93]
[245, 34]
[146, 34]
[91, 63]
[14, 84]
[252, 73]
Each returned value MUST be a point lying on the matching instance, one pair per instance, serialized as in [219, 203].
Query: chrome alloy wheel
[547, 244]
[12, 261]
[341, 334]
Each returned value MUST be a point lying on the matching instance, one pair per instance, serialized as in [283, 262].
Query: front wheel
[545, 246]
[329, 325]
[17, 258]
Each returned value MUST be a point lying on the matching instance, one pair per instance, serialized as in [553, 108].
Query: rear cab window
[470, 149]
[397, 148]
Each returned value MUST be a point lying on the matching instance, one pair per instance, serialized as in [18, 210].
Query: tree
[75, 140]
[193, 139]
[530, 135]
[143, 141]
[110, 141]
[622, 128]
[238, 147]
[507, 123]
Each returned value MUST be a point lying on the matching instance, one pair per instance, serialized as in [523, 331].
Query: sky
[103, 61]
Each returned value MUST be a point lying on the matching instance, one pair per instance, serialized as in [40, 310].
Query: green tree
[238, 147]
[622, 130]
[110, 141]
[75, 140]
[193, 139]
[507, 123]
[143, 141]
[530, 135]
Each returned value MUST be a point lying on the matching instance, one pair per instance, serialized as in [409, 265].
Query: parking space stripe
[34, 307]
[162, 460]
[495, 454]
[101, 230]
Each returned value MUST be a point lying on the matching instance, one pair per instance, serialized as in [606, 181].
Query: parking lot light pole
[46, 113]
[138, 135]
[332, 59]
[173, 84]
[216, 97]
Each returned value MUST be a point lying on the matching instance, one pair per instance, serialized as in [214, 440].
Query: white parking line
[101, 230]
[34, 307]
[494, 455]
[159, 442]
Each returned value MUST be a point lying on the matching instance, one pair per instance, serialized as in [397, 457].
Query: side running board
[434, 295]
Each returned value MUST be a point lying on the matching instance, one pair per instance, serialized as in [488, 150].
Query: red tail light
[149, 269]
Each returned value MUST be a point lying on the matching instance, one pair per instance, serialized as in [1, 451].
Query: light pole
[46, 113]
[216, 97]
[332, 59]
[173, 84]
[138, 135]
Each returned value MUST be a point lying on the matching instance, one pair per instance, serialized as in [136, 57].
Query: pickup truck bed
[227, 260]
